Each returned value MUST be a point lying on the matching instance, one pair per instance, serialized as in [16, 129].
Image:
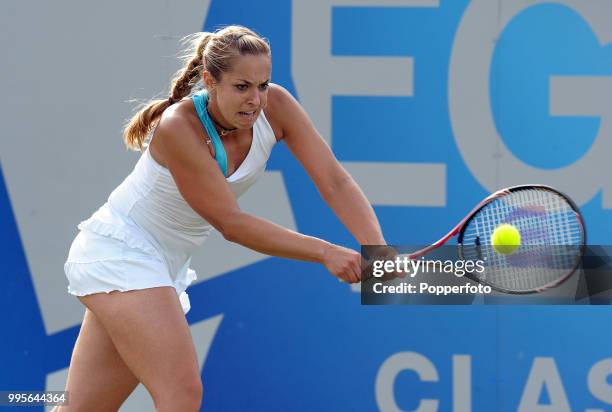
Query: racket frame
[461, 226]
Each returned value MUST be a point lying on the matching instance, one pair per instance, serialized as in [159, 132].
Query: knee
[184, 395]
[194, 391]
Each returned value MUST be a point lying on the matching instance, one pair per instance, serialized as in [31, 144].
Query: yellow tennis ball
[505, 239]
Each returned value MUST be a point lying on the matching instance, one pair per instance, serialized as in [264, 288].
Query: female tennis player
[129, 264]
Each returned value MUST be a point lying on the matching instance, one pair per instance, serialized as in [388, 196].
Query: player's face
[242, 93]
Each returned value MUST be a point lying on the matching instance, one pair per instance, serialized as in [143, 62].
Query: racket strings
[551, 235]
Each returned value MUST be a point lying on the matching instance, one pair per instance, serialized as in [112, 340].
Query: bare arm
[205, 189]
[359, 218]
[335, 185]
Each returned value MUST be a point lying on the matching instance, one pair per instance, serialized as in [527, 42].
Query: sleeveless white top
[147, 212]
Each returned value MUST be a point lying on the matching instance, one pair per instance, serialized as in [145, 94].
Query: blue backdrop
[292, 337]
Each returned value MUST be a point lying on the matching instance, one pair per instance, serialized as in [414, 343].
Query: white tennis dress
[145, 234]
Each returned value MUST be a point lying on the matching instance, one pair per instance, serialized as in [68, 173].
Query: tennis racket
[552, 233]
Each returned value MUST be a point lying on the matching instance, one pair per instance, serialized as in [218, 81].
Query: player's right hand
[343, 263]
[383, 252]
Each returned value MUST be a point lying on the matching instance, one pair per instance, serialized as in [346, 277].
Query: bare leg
[150, 332]
[98, 379]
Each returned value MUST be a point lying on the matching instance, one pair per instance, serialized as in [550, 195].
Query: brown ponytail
[138, 128]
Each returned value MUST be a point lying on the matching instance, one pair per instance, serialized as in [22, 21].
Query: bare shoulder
[288, 114]
[280, 109]
[278, 99]
[178, 133]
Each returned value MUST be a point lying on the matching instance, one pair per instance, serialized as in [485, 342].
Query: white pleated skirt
[97, 263]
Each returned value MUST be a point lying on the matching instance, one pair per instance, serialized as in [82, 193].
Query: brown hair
[206, 51]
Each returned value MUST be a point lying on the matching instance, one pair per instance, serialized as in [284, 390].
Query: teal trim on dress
[200, 101]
